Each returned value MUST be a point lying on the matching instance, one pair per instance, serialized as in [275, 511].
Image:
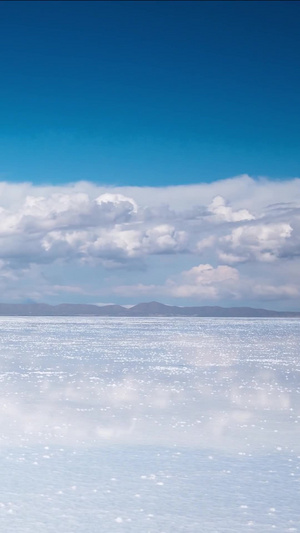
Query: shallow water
[149, 425]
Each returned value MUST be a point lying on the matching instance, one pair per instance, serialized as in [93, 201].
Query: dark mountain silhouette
[141, 309]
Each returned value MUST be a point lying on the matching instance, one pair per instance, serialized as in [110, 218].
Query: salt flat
[149, 425]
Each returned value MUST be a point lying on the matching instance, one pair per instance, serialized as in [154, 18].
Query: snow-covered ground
[149, 425]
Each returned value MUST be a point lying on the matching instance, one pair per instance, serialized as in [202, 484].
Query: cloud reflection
[149, 381]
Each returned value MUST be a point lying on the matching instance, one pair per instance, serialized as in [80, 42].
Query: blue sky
[147, 93]
[150, 150]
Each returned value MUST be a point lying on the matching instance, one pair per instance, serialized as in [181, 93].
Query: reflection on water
[191, 418]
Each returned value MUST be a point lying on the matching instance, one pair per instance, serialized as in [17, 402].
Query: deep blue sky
[149, 92]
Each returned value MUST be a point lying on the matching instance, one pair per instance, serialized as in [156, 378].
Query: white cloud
[205, 281]
[231, 222]
[202, 281]
[221, 211]
[117, 199]
[117, 243]
[224, 282]
[164, 239]
[261, 242]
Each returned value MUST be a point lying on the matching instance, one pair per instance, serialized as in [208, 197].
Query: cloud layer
[233, 240]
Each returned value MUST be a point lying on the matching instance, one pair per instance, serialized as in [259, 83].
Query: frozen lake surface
[149, 425]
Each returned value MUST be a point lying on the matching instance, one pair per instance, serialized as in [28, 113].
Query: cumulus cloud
[222, 211]
[227, 224]
[205, 281]
[224, 282]
[118, 244]
[164, 239]
[261, 242]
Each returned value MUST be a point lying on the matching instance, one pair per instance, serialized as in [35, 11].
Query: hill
[146, 309]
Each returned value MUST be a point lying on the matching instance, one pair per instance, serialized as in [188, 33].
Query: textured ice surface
[149, 425]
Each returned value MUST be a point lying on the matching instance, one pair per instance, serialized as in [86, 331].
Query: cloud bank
[233, 240]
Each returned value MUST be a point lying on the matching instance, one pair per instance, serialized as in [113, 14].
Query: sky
[150, 150]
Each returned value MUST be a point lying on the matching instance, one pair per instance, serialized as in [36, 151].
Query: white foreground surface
[149, 425]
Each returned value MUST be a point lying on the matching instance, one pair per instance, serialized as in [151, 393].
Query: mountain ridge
[144, 309]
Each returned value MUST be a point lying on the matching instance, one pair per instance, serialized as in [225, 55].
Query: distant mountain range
[154, 309]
